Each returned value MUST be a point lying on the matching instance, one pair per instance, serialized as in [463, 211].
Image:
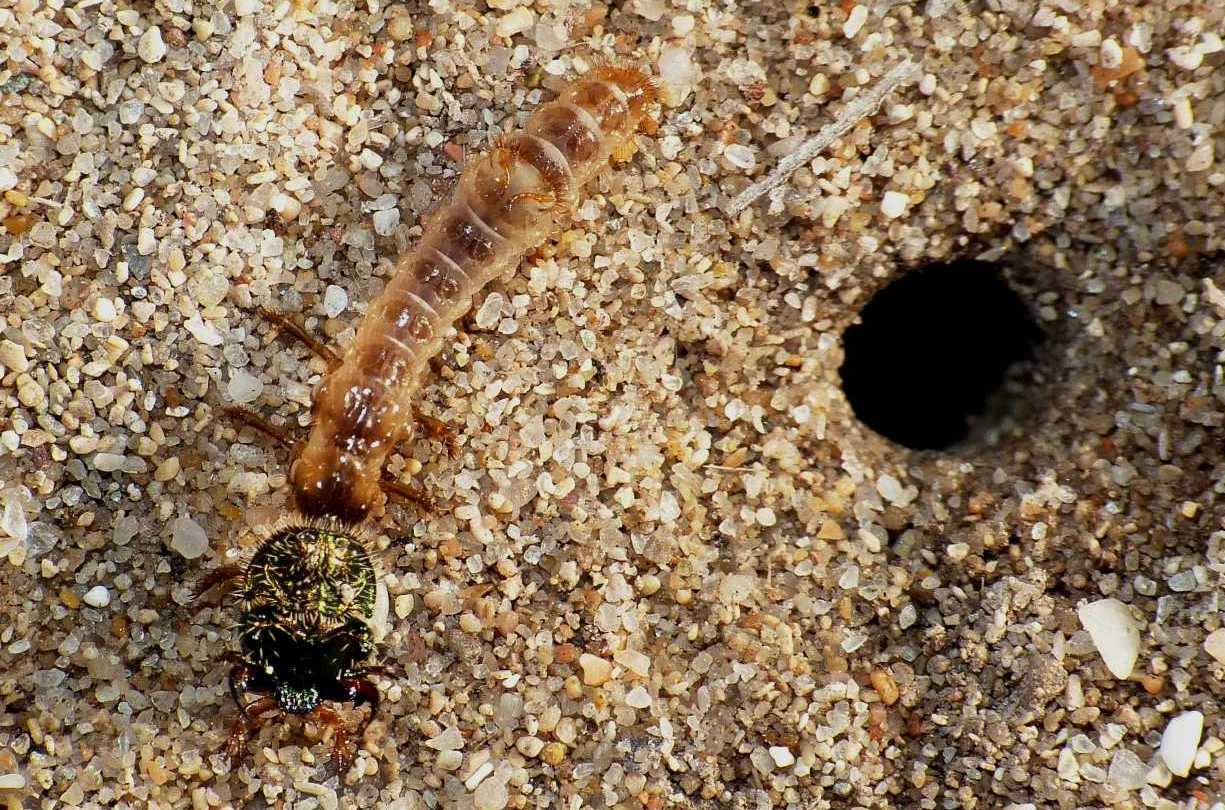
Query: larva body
[505, 203]
[308, 592]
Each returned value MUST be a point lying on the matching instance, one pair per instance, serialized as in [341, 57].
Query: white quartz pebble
[1114, 633]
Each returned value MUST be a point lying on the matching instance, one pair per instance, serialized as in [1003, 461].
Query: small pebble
[490, 795]
[400, 26]
[636, 662]
[782, 756]
[638, 698]
[1214, 645]
[894, 204]
[1114, 633]
[1110, 54]
[1180, 741]
[449, 740]
[449, 760]
[885, 686]
[596, 670]
[150, 47]
[478, 775]
[530, 747]
[13, 518]
[740, 156]
[13, 357]
[104, 309]
[108, 462]
[385, 221]
[855, 20]
[1186, 57]
[517, 21]
[97, 596]
[244, 387]
[188, 538]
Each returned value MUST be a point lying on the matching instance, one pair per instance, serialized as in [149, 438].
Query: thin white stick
[857, 109]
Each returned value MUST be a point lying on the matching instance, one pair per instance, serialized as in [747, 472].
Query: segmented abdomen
[505, 203]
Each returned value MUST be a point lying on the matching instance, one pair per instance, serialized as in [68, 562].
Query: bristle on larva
[506, 202]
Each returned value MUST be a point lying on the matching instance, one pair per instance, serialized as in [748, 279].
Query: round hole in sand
[927, 363]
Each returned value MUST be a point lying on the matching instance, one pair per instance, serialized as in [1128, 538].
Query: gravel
[668, 566]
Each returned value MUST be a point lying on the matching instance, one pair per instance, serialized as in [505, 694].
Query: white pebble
[596, 670]
[678, 73]
[108, 462]
[1184, 116]
[104, 309]
[13, 356]
[894, 204]
[529, 746]
[449, 740]
[958, 551]
[479, 775]
[491, 310]
[335, 299]
[202, 331]
[1201, 158]
[1111, 54]
[385, 222]
[740, 156]
[782, 756]
[328, 800]
[97, 596]
[1127, 771]
[449, 760]
[854, 22]
[1180, 741]
[8, 178]
[150, 47]
[1114, 633]
[370, 159]
[12, 781]
[1186, 57]
[652, 10]
[490, 795]
[517, 21]
[638, 698]
[400, 26]
[1214, 645]
[244, 387]
[887, 485]
[188, 538]
[13, 520]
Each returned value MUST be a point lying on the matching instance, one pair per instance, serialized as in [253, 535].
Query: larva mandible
[308, 590]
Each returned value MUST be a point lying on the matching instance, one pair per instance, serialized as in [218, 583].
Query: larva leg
[386, 670]
[505, 161]
[297, 331]
[545, 198]
[249, 721]
[407, 492]
[342, 754]
[254, 420]
[437, 429]
[225, 575]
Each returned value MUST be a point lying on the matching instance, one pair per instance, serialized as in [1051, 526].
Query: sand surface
[669, 567]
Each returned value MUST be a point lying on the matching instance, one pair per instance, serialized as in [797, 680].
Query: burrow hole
[937, 359]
